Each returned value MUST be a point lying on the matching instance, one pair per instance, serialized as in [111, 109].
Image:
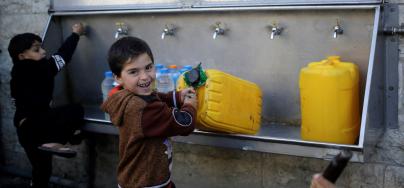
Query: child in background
[42, 130]
[146, 119]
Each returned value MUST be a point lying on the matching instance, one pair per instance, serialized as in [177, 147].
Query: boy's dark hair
[124, 49]
[20, 43]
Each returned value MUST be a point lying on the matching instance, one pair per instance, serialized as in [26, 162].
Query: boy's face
[36, 52]
[138, 75]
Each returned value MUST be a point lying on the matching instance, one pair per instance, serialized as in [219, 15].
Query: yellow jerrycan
[329, 97]
[227, 103]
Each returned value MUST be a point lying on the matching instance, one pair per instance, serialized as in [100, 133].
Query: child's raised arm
[65, 52]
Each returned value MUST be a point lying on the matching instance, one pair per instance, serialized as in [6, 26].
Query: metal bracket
[394, 30]
[391, 30]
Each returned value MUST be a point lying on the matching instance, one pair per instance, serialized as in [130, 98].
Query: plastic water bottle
[174, 73]
[187, 67]
[159, 67]
[183, 70]
[106, 85]
[164, 81]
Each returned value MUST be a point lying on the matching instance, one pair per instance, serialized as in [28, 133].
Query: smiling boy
[145, 118]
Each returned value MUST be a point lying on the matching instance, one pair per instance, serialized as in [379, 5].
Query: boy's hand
[185, 92]
[78, 28]
[188, 96]
[191, 99]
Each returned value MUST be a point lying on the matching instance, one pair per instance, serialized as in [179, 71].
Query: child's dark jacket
[145, 123]
[32, 82]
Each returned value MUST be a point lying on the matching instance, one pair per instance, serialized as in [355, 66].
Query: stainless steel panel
[245, 50]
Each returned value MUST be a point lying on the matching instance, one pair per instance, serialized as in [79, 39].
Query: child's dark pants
[56, 125]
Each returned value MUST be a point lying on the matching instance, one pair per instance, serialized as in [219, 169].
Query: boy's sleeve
[173, 98]
[160, 120]
[65, 52]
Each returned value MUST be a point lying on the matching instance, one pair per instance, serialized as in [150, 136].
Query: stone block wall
[19, 16]
[194, 165]
[15, 17]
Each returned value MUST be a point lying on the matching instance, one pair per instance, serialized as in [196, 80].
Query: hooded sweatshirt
[145, 123]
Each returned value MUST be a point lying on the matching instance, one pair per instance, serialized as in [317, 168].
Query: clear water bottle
[106, 85]
[174, 73]
[158, 69]
[164, 81]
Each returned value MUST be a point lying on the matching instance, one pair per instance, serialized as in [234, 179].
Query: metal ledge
[282, 139]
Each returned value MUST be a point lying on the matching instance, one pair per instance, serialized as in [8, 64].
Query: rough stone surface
[289, 171]
[193, 166]
[394, 177]
[16, 17]
[105, 152]
[363, 175]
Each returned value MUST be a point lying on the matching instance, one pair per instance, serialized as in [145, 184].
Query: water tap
[121, 29]
[168, 31]
[338, 30]
[218, 30]
[275, 30]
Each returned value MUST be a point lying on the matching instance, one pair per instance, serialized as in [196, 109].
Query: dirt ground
[8, 181]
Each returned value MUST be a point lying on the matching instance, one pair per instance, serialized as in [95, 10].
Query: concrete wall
[194, 165]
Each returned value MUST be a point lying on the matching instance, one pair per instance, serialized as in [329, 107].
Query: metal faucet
[338, 30]
[168, 31]
[275, 31]
[218, 30]
[121, 30]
